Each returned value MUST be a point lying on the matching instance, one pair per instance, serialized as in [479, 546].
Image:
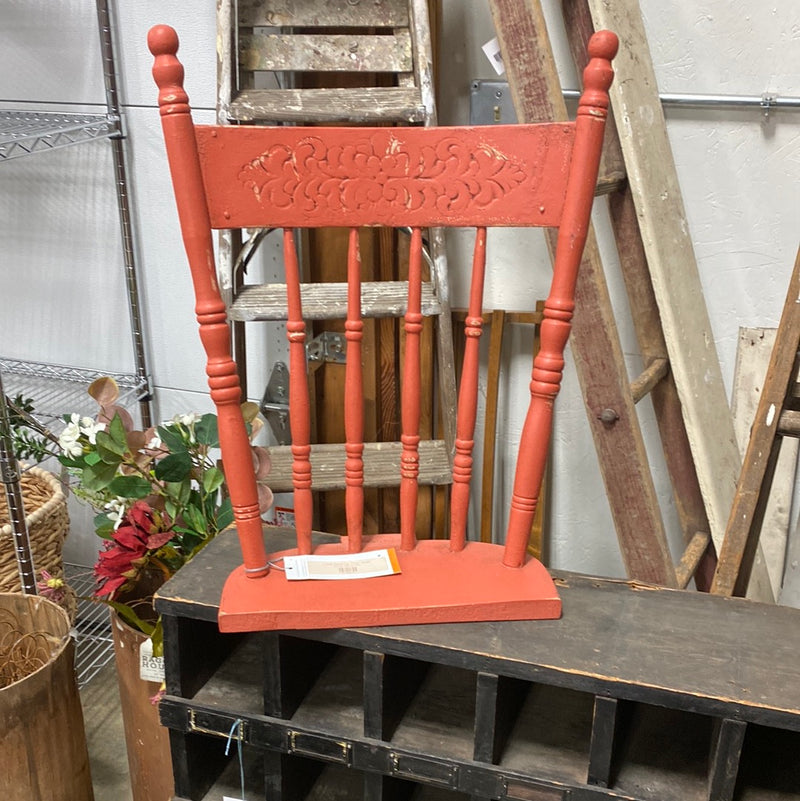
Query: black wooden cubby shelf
[636, 693]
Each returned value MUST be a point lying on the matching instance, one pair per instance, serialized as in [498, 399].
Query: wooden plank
[752, 358]
[323, 13]
[667, 242]
[370, 104]
[738, 557]
[327, 52]
[498, 702]
[601, 746]
[381, 465]
[691, 557]
[599, 360]
[646, 320]
[727, 749]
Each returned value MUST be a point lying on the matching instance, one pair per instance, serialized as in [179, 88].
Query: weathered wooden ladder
[391, 39]
[681, 368]
[777, 416]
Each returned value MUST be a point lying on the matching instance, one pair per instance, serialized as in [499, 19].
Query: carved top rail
[298, 177]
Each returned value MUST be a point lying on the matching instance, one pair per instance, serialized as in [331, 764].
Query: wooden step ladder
[307, 42]
[681, 369]
[777, 416]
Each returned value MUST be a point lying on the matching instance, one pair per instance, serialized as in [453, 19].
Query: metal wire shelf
[58, 390]
[23, 133]
[94, 647]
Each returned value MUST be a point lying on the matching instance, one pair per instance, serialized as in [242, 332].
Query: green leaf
[213, 479]
[109, 450]
[157, 638]
[93, 457]
[126, 613]
[172, 439]
[131, 487]
[205, 431]
[171, 508]
[179, 491]
[175, 467]
[195, 519]
[68, 461]
[190, 540]
[98, 476]
[117, 431]
[103, 526]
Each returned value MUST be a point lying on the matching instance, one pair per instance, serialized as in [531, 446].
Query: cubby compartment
[769, 767]
[440, 719]
[662, 754]
[551, 735]
[335, 702]
[237, 684]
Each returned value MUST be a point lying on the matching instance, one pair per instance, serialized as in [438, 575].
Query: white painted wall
[61, 286]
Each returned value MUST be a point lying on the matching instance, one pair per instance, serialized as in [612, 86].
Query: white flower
[154, 444]
[69, 439]
[116, 510]
[90, 427]
[186, 419]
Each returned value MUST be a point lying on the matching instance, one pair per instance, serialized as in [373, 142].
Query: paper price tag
[151, 668]
[335, 567]
[492, 51]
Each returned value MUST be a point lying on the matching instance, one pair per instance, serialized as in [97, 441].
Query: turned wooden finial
[167, 70]
[598, 74]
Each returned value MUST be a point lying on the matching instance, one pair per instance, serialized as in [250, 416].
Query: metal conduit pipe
[766, 102]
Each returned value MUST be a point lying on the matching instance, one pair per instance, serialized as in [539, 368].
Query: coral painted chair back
[295, 177]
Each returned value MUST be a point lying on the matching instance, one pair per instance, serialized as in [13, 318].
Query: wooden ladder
[681, 369]
[777, 416]
[276, 41]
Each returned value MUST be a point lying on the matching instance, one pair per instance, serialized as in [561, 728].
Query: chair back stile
[548, 366]
[184, 165]
[540, 175]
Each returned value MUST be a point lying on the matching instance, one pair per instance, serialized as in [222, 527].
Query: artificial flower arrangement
[160, 496]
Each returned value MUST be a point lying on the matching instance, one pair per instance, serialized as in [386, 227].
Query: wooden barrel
[42, 738]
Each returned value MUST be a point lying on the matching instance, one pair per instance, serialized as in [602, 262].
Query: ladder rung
[328, 301]
[691, 557]
[613, 182]
[648, 378]
[381, 465]
[789, 423]
[321, 14]
[326, 52]
[365, 104]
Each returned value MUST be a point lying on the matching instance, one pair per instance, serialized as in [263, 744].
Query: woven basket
[47, 522]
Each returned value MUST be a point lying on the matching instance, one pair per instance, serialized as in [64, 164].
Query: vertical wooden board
[645, 317]
[752, 358]
[667, 241]
[599, 361]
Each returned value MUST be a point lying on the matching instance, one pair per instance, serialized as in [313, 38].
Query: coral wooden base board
[435, 585]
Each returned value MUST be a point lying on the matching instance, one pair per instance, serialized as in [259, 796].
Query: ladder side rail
[536, 91]
[646, 320]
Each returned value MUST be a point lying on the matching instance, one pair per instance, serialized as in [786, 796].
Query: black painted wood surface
[636, 693]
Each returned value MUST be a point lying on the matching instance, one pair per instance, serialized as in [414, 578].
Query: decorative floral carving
[375, 175]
